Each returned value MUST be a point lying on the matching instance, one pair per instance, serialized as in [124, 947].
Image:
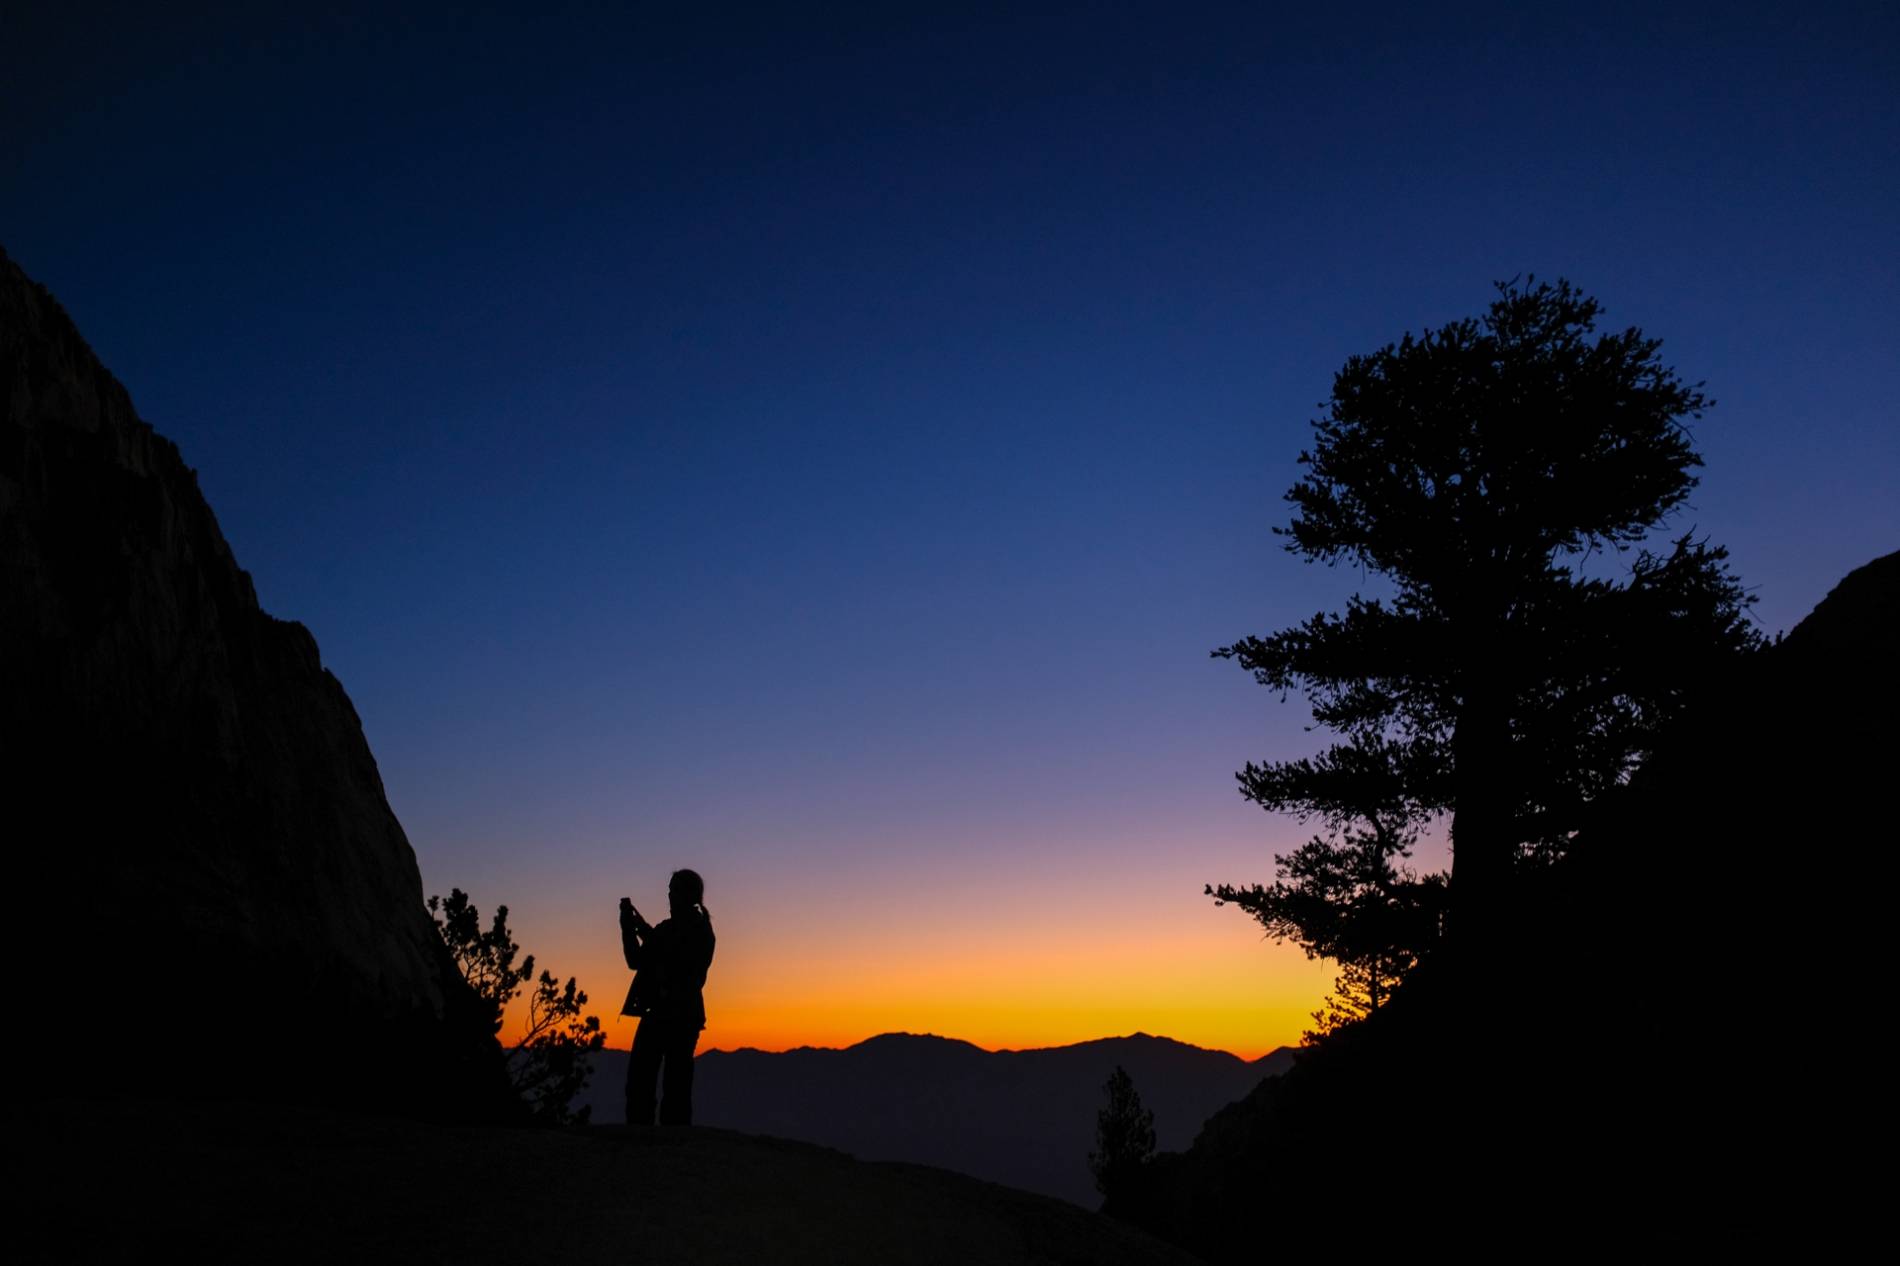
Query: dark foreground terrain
[245, 1182]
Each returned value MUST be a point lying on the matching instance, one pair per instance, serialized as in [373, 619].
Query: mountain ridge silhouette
[900, 1034]
[1023, 1118]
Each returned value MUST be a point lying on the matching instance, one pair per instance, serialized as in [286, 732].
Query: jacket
[670, 964]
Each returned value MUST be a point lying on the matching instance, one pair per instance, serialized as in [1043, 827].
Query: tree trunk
[1482, 847]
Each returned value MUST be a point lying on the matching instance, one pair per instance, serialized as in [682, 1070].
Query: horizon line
[988, 1050]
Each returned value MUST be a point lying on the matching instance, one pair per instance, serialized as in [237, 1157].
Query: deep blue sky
[828, 443]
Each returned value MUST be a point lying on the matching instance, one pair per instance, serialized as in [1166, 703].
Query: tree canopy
[1483, 472]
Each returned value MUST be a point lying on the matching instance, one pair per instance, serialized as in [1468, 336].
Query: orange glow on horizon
[1002, 983]
[1000, 942]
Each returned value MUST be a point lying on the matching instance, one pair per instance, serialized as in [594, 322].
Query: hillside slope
[238, 1182]
[1601, 1082]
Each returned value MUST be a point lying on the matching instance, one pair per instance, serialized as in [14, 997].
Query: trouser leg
[676, 1107]
[643, 1071]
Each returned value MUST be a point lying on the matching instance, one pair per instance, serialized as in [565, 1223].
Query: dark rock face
[1747, 866]
[197, 825]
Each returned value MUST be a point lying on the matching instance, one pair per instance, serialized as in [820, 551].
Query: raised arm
[632, 927]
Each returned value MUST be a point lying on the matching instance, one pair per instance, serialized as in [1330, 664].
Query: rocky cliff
[198, 834]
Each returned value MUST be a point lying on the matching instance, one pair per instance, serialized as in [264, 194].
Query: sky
[821, 446]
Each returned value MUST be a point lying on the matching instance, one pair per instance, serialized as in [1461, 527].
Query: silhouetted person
[669, 962]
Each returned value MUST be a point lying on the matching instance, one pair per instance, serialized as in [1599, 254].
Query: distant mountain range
[1022, 1118]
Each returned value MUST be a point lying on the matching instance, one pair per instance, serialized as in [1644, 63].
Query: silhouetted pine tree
[1478, 469]
[1124, 1142]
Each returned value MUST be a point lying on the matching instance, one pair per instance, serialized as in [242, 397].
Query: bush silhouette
[549, 1065]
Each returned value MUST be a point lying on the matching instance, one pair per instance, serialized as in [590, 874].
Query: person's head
[685, 890]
